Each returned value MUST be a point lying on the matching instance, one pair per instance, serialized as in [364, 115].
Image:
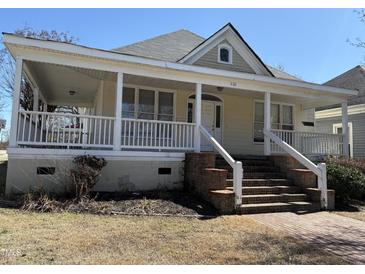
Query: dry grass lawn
[65, 238]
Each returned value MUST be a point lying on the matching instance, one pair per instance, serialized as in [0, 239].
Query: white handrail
[320, 169]
[236, 166]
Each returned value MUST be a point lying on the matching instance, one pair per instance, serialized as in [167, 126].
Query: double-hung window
[281, 118]
[148, 104]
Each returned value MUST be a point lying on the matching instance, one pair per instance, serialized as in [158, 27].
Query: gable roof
[179, 44]
[167, 47]
[222, 30]
[351, 79]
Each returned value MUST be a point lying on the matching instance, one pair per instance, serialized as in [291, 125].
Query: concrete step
[274, 198]
[279, 207]
[262, 182]
[256, 190]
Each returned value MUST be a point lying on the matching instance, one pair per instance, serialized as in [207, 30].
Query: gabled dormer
[226, 49]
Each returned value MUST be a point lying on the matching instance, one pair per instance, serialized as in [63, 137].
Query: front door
[212, 121]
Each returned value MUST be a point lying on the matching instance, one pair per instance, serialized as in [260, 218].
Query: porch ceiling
[55, 82]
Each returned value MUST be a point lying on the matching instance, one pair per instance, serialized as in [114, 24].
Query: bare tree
[358, 42]
[7, 66]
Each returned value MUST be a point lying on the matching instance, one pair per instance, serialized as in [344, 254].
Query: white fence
[64, 130]
[153, 134]
[309, 143]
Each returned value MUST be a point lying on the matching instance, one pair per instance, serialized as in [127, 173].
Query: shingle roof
[351, 79]
[174, 46]
[167, 47]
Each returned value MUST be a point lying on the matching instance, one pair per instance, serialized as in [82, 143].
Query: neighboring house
[329, 119]
[145, 105]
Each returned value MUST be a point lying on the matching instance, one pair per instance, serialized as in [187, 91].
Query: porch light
[71, 92]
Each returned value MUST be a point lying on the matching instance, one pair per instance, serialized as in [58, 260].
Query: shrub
[349, 162]
[85, 174]
[348, 182]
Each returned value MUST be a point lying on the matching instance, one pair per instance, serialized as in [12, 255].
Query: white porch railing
[236, 166]
[37, 128]
[309, 143]
[320, 169]
[155, 134]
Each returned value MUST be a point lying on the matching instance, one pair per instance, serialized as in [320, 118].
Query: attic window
[224, 54]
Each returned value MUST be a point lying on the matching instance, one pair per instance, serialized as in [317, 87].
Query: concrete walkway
[336, 234]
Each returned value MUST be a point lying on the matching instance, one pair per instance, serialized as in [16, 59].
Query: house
[329, 119]
[153, 107]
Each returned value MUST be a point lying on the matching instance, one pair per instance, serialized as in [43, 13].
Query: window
[282, 117]
[218, 116]
[225, 54]
[190, 112]
[148, 104]
[128, 103]
[165, 106]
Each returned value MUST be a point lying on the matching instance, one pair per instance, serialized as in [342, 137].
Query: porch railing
[66, 130]
[320, 170]
[156, 134]
[236, 166]
[309, 143]
[37, 128]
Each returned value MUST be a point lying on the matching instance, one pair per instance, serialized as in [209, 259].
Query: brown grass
[355, 210]
[65, 238]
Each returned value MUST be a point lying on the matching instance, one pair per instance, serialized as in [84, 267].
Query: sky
[309, 43]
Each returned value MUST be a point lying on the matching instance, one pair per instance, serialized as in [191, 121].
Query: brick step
[262, 182]
[279, 207]
[255, 169]
[274, 198]
[255, 190]
[246, 162]
[261, 175]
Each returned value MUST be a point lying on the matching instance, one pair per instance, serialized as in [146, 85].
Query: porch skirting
[128, 171]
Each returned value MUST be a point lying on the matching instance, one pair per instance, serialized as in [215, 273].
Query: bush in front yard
[348, 182]
[85, 174]
[349, 162]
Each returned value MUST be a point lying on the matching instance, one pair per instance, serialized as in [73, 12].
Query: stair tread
[274, 195]
[277, 204]
[261, 180]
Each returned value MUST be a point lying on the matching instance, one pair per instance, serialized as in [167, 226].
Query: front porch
[124, 112]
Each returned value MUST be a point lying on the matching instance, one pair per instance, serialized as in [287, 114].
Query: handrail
[65, 114]
[306, 132]
[236, 165]
[319, 170]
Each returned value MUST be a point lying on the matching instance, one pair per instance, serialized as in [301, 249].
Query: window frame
[230, 55]
[156, 91]
[281, 104]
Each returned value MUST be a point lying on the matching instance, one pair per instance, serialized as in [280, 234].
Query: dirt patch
[354, 209]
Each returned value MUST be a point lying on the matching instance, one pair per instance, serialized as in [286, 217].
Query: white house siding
[358, 131]
[120, 174]
[210, 59]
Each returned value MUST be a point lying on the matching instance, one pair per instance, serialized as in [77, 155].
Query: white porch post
[16, 101]
[35, 99]
[267, 122]
[117, 138]
[345, 129]
[198, 112]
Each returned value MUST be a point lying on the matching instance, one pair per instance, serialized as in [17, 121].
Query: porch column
[117, 137]
[267, 122]
[345, 129]
[16, 101]
[35, 99]
[198, 112]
